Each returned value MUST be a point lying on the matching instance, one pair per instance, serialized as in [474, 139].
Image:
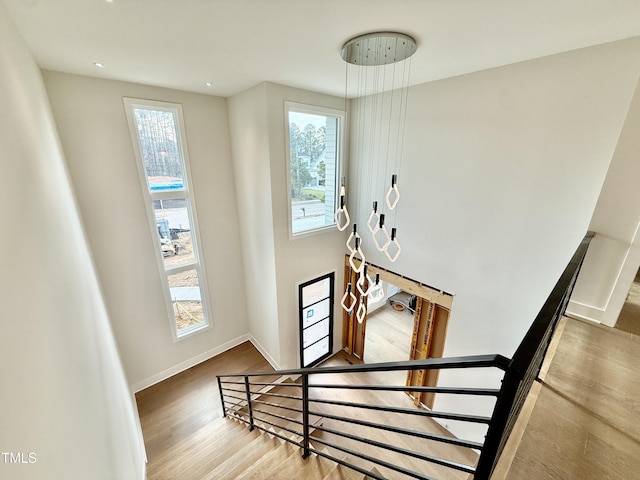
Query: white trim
[341, 115]
[188, 194]
[192, 362]
[168, 195]
[264, 352]
[584, 305]
[581, 317]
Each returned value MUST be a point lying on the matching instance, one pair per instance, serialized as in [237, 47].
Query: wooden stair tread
[246, 456]
[203, 455]
[223, 428]
[268, 463]
[339, 472]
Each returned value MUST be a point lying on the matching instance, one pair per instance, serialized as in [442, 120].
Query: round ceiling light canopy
[379, 48]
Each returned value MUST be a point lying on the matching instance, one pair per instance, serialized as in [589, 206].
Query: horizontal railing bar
[283, 437]
[413, 433]
[402, 451]
[267, 384]
[226, 389]
[367, 473]
[263, 384]
[408, 411]
[471, 361]
[254, 392]
[234, 410]
[377, 461]
[293, 397]
[404, 388]
[235, 398]
[242, 400]
[281, 417]
[292, 409]
[231, 382]
[299, 434]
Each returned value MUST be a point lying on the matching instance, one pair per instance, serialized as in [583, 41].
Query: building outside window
[314, 156]
[157, 131]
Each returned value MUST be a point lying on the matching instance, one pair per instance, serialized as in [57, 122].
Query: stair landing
[583, 423]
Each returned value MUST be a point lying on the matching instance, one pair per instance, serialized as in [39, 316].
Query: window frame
[341, 116]
[185, 192]
[331, 276]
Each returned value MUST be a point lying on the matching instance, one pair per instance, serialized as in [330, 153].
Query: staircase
[323, 423]
[281, 422]
[350, 438]
[258, 455]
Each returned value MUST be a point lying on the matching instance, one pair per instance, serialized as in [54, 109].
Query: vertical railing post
[305, 415]
[499, 419]
[224, 409]
[248, 390]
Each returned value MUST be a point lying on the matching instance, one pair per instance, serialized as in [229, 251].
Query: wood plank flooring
[585, 423]
[388, 339]
[397, 399]
[181, 417]
[188, 439]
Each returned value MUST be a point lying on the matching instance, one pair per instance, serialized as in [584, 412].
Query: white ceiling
[236, 44]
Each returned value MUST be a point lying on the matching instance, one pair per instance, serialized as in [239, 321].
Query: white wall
[90, 115]
[305, 257]
[64, 394]
[501, 173]
[614, 254]
[274, 264]
[250, 145]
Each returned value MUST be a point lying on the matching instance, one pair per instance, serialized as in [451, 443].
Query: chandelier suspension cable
[370, 106]
[372, 101]
[365, 159]
[403, 121]
[373, 104]
[370, 161]
[393, 85]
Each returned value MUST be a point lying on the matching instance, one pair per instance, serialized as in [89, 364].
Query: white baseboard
[583, 311]
[158, 377]
[264, 353]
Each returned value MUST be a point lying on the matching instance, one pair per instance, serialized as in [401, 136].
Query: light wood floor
[585, 423]
[449, 452]
[184, 412]
[187, 438]
[388, 339]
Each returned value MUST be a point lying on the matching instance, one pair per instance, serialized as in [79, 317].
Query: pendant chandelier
[377, 79]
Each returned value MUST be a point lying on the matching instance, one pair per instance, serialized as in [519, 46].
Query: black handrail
[518, 373]
[527, 362]
[470, 361]
[242, 411]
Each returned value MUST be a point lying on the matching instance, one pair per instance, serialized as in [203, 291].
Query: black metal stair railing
[287, 409]
[248, 405]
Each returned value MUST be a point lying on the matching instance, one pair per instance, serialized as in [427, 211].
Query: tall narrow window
[314, 154]
[157, 131]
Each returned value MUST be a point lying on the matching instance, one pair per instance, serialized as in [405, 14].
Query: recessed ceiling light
[208, 84]
[99, 64]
